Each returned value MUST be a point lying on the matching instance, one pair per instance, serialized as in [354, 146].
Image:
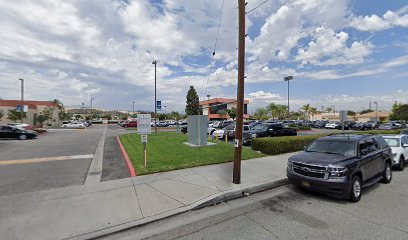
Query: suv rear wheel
[401, 164]
[355, 190]
[387, 173]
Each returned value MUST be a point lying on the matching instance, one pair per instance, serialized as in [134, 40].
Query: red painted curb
[128, 163]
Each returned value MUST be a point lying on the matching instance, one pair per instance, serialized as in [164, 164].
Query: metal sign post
[144, 128]
[343, 117]
[144, 141]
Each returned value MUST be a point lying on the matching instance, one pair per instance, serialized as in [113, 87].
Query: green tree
[192, 102]
[232, 112]
[107, 116]
[63, 116]
[222, 113]
[399, 112]
[41, 118]
[306, 110]
[15, 115]
[174, 115]
[1, 114]
[351, 113]
[161, 116]
[261, 114]
[278, 111]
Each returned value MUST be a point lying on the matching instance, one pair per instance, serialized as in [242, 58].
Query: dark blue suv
[341, 165]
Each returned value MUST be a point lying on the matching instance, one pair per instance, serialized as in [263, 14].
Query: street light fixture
[287, 79]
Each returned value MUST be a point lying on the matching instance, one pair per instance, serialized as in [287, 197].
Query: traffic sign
[19, 107]
[144, 138]
[343, 115]
[144, 124]
[158, 105]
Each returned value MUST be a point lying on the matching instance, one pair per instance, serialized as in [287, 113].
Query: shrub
[279, 145]
[304, 128]
[396, 131]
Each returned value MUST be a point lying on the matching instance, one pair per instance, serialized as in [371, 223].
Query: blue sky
[342, 53]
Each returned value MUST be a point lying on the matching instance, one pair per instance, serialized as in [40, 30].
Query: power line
[257, 6]
[213, 53]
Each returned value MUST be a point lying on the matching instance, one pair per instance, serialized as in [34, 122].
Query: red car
[130, 124]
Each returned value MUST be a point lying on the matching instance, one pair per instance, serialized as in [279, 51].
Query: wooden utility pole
[240, 93]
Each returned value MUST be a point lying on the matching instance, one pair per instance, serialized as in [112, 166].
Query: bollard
[226, 138]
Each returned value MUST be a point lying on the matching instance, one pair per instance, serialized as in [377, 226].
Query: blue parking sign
[158, 105]
[19, 107]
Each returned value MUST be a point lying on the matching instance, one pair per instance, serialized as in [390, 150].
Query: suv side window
[381, 142]
[404, 140]
[367, 146]
[372, 145]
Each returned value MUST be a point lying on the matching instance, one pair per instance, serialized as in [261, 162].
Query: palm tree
[313, 111]
[272, 108]
[306, 108]
[261, 114]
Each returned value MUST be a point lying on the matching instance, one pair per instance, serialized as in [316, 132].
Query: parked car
[223, 124]
[347, 125]
[399, 123]
[271, 130]
[387, 126]
[359, 126]
[16, 133]
[399, 148]
[230, 130]
[372, 125]
[162, 124]
[19, 125]
[74, 125]
[342, 165]
[129, 124]
[219, 133]
[332, 125]
[320, 124]
[87, 123]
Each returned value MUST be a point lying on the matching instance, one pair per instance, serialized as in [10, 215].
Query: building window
[215, 107]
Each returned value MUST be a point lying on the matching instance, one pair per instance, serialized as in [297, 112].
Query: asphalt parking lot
[288, 212]
[58, 158]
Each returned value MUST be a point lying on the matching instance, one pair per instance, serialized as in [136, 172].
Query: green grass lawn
[166, 151]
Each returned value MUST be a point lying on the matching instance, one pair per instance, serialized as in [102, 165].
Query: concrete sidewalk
[91, 210]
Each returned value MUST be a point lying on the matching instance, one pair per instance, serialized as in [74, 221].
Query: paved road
[291, 213]
[114, 165]
[56, 159]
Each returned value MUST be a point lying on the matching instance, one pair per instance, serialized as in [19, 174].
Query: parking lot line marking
[47, 159]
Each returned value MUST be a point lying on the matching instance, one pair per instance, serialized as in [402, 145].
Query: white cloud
[333, 46]
[377, 23]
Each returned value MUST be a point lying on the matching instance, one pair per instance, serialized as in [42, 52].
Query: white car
[18, 125]
[74, 125]
[219, 133]
[332, 125]
[399, 148]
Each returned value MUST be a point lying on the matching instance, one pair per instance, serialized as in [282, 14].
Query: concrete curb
[132, 171]
[212, 200]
